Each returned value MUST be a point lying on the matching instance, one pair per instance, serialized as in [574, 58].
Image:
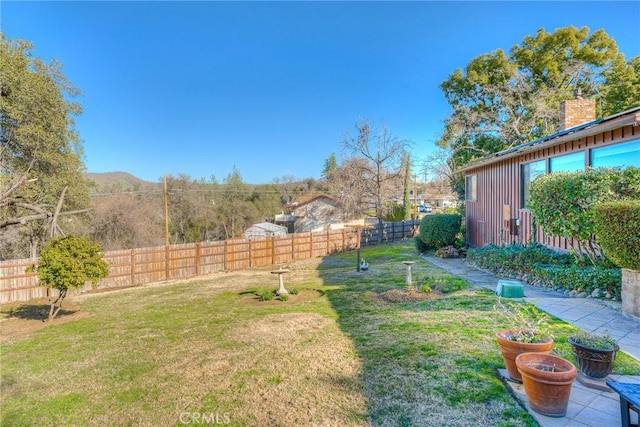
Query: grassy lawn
[341, 352]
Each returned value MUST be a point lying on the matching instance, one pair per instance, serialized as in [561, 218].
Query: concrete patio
[588, 407]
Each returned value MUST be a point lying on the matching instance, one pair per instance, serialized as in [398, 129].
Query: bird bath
[409, 279]
[281, 289]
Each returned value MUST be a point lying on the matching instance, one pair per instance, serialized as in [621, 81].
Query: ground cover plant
[540, 266]
[334, 354]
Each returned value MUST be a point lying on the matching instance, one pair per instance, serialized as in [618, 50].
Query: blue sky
[271, 87]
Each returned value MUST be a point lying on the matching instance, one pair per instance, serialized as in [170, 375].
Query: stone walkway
[587, 406]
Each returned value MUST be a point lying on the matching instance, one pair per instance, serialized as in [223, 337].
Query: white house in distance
[265, 229]
[318, 213]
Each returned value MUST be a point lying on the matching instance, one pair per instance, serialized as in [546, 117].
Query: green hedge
[617, 227]
[439, 230]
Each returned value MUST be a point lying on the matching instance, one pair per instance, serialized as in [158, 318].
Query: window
[470, 188]
[567, 163]
[530, 171]
[619, 155]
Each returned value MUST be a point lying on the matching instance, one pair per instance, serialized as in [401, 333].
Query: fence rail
[139, 266]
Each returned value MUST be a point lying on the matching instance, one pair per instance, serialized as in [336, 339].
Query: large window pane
[530, 171]
[567, 163]
[470, 188]
[619, 155]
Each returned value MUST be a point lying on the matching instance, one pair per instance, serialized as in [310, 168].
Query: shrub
[617, 227]
[439, 230]
[420, 246]
[447, 285]
[267, 295]
[283, 297]
[294, 291]
[563, 203]
[580, 279]
[67, 263]
[517, 257]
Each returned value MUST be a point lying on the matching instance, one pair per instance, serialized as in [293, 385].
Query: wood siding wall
[156, 264]
[499, 184]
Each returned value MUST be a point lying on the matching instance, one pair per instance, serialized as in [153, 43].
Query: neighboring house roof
[305, 201]
[629, 117]
[265, 229]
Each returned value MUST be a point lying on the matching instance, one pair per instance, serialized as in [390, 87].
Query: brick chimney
[577, 111]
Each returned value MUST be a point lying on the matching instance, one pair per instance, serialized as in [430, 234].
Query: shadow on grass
[424, 362]
[35, 312]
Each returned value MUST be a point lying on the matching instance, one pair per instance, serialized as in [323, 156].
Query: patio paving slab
[588, 407]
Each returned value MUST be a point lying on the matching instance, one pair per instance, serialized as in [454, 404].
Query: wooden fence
[156, 264]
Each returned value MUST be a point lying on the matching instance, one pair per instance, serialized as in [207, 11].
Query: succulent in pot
[594, 353]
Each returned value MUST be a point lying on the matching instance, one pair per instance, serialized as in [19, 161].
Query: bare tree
[441, 167]
[124, 221]
[382, 152]
[348, 185]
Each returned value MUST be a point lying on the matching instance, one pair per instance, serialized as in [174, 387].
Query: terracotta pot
[593, 362]
[547, 381]
[511, 349]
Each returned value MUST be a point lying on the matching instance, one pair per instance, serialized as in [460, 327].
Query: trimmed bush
[617, 227]
[563, 203]
[439, 230]
[420, 246]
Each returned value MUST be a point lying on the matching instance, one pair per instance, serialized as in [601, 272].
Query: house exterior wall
[499, 199]
[318, 212]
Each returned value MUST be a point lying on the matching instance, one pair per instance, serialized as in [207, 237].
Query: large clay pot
[547, 381]
[511, 349]
[593, 362]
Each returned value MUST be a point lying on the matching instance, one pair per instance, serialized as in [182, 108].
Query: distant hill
[119, 182]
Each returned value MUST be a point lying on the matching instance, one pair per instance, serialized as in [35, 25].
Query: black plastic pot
[593, 362]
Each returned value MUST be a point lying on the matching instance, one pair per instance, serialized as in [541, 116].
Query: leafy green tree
[266, 201]
[330, 164]
[66, 264]
[234, 208]
[191, 212]
[40, 152]
[502, 100]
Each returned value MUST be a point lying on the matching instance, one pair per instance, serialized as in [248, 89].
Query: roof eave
[630, 117]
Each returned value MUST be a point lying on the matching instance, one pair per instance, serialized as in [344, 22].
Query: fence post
[133, 267]
[293, 246]
[311, 244]
[250, 254]
[343, 240]
[224, 255]
[327, 252]
[197, 259]
[166, 262]
[273, 250]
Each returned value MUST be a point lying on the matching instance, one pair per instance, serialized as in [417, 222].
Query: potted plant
[594, 353]
[528, 333]
[547, 381]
